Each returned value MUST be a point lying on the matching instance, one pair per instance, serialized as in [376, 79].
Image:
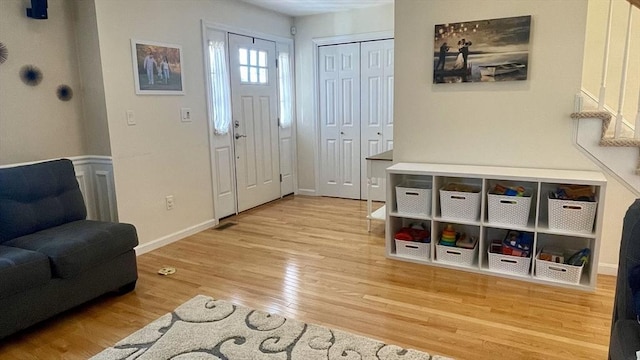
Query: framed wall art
[482, 50]
[157, 68]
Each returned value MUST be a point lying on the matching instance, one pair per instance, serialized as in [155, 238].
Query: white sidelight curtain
[220, 88]
[284, 78]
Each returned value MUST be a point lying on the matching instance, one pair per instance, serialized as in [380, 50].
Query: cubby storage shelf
[537, 182]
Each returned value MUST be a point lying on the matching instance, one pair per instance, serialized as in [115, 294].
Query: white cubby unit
[559, 229]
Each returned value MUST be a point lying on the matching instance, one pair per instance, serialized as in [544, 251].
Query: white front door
[254, 103]
[377, 107]
[339, 72]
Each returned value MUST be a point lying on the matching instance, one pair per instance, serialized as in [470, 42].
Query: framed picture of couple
[157, 68]
[482, 50]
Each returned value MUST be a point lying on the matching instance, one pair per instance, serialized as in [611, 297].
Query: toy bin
[460, 205]
[558, 272]
[414, 198]
[508, 210]
[572, 215]
[507, 264]
[456, 255]
[413, 249]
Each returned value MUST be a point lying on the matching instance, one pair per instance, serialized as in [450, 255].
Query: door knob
[379, 133]
[341, 132]
[238, 136]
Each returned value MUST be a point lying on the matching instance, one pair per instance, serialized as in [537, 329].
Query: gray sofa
[51, 257]
[625, 330]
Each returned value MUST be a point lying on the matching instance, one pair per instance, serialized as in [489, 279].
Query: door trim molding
[316, 44]
[245, 32]
[341, 39]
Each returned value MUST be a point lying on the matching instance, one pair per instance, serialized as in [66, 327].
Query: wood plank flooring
[312, 259]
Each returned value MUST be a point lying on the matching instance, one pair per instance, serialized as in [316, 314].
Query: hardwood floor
[312, 259]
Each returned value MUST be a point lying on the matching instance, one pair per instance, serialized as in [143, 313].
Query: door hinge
[280, 177]
[276, 63]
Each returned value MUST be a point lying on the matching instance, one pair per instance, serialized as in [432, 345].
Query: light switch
[131, 119]
[185, 114]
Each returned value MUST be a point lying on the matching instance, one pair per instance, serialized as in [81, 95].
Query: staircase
[603, 132]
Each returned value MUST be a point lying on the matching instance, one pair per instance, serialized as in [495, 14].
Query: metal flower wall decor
[64, 92]
[30, 75]
[4, 53]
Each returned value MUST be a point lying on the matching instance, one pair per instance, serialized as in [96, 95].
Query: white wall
[520, 124]
[374, 19]
[90, 67]
[160, 155]
[34, 124]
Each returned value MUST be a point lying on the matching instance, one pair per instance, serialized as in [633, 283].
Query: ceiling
[312, 7]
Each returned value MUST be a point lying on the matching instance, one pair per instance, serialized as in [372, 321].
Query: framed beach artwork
[482, 50]
[157, 68]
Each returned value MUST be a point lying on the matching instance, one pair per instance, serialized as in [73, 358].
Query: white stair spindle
[625, 68]
[605, 62]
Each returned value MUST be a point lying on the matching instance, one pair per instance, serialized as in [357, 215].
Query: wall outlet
[185, 114]
[169, 202]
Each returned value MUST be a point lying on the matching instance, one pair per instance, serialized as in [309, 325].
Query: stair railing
[624, 76]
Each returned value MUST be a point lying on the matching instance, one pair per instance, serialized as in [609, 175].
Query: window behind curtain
[284, 79]
[220, 89]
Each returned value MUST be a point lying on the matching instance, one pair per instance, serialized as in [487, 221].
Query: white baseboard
[307, 192]
[608, 269]
[165, 240]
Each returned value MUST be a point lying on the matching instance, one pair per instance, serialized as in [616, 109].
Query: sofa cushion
[21, 270]
[80, 245]
[625, 340]
[38, 196]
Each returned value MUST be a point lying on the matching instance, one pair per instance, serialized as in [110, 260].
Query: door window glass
[253, 66]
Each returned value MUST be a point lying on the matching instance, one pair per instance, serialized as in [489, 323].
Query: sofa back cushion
[38, 196]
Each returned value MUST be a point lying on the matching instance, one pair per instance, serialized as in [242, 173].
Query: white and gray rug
[204, 328]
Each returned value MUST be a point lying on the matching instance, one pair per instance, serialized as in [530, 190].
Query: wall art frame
[157, 68]
[482, 50]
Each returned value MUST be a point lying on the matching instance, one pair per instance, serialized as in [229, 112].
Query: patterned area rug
[204, 328]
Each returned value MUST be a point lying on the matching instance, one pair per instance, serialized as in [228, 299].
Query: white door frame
[332, 40]
[207, 25]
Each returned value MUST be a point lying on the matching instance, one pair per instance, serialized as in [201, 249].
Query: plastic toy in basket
[496, 246]
[467, 242]
[551, 255]
[517, 243]
[414, 233]
[573, 192]
[579, 258]
[508, 190]
[459, 187]
[449, 236]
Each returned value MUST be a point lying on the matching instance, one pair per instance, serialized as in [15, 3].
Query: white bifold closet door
[356, 115]
[339, 71]
[376, 69]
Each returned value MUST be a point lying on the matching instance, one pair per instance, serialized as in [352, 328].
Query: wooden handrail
[635, 3]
